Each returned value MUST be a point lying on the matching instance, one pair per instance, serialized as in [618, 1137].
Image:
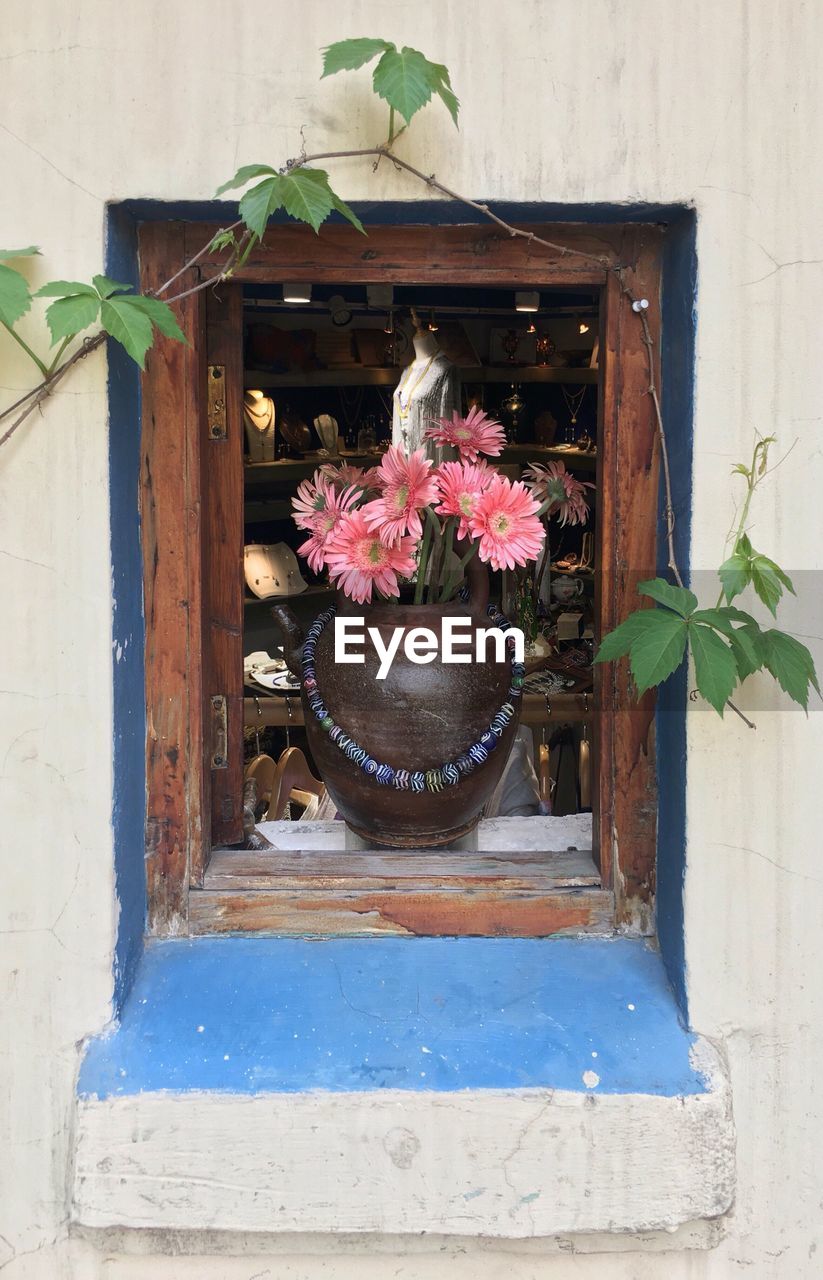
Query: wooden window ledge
[477, 1087]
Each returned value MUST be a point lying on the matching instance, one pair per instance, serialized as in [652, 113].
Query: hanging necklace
[263, 419]
[351, 403]
[574, 401]
[401, 386]
[446, 775]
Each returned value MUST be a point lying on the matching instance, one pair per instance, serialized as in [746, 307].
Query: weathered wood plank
[567, 708]
[169, 505]
[329, 869]
[222, 557]
[430, 913]
[477, 253]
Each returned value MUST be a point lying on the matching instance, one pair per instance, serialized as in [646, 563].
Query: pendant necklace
[573, 401]
[405, 408]
[262, 420]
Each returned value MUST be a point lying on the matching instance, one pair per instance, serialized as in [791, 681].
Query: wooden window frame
[193, 608]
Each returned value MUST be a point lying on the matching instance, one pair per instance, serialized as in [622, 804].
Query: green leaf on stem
[342, 207]
[19, 253]
[65, 289]
[244, 174]
[349, 55]
[618, 642]
[679, 599]
[70, 315]
[659, 648]
[735, 575]
[160, 314]
[723, 618]
[792, 666]
[715, 667]
[444, 90]
[259, 203]
[106, 287]
[745, 645]
[15, 296]
[768, 580]
[404, 79]
[305, 194]
[129, 325]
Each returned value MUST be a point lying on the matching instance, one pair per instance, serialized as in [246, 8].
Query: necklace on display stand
[259, 414]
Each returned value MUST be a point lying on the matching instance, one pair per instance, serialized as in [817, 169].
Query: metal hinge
[219, 732]
[217, 428]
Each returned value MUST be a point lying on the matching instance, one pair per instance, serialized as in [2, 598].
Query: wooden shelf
[358, 376]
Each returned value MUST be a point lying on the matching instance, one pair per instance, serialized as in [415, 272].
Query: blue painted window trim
[128, 628]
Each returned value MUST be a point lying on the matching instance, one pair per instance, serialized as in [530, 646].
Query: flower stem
[422, 564]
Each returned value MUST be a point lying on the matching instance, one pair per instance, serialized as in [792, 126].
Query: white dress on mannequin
[428, 388]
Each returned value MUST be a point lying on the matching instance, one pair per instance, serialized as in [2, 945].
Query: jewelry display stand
[259, 418]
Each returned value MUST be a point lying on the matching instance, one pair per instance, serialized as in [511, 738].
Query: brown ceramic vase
[417, 718]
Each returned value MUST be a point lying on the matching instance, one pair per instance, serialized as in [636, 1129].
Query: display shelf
[313, 589]
[358, 376]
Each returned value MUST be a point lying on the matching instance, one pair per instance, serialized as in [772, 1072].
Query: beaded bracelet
[448, 774]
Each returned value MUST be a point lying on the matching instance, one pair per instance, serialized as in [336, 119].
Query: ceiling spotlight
[339, 310]
[297, 292]
[433, 325]
[583, 327]
[526, 301]
[379, 296]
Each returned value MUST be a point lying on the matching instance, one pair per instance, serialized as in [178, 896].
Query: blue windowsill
[249, 1015]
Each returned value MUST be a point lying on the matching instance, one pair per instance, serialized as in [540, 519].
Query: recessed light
[526, 301]
[296, 292]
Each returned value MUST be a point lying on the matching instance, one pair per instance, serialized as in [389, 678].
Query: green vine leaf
[244, 174]
[305, 194]
[349, 55]
[723, 618]
[129, 325]
[404, 78]
[715, 667]
[69, 316]
[768, 580]
[29, 252]
[735, 575]
[106, 287]
[65, 289]
[658, 649]
[618, 642]
[680, 599]
[160, 314]
[792, 666]
[745, 645]
[15, 296]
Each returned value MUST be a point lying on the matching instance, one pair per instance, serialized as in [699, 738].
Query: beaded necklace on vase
[447, 774]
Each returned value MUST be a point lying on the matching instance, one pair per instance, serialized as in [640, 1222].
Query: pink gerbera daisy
[407, 485]
[506, 525]
[461, 484]
[565, 494]
[310, 500]
[358, 561]
[336, 502]
[343, 475]
[471, 435]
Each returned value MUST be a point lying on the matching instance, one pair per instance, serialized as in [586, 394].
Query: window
[193, 519]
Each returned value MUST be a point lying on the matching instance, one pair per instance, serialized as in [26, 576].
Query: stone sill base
[248, 1089]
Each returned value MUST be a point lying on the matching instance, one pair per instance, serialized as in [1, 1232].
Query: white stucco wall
[592, 100]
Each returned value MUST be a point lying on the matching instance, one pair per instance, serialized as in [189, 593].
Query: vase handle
[292, 637]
